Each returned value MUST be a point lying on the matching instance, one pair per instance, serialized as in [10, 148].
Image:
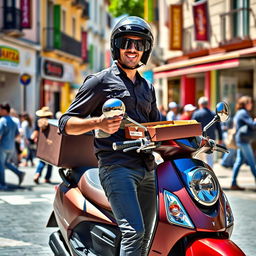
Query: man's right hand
[110, 125]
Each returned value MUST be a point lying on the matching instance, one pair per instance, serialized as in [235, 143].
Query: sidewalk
[245, 177]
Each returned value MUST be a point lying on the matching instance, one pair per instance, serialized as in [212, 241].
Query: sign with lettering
[56, 70]
[53, 68]
[176, 26]
[9, 56]
[25, 7]
[201, 20]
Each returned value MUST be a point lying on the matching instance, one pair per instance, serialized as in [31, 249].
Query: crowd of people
[19, 134]
[245, 132]
[18, 142]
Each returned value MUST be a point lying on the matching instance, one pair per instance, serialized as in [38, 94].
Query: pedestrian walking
[17, 153]
[245, 133]
[128, 178]
[29, 144]
[42, 115]
[8, 132]
[172, 114]
[188, 111]
[204, 115]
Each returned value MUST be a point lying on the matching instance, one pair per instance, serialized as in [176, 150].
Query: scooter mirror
[113, 107]
[222, 110]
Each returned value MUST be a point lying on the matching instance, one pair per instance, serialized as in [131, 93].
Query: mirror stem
[214, 120]
[134, 122]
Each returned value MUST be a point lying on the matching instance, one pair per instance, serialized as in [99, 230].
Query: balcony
[12, 21]
[85, 11]
[80, 4]
[57, 40]
[235, 27]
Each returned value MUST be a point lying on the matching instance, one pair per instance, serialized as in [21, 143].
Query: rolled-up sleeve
[85, 102]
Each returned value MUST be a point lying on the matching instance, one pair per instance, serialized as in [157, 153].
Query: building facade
[99, 29]
[64, 54]
[209, 48]
[19, 50]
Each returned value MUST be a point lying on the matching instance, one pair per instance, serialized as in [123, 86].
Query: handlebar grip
[223, 148]
[126, 144]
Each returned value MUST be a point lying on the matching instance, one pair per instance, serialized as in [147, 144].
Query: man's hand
[110, 125]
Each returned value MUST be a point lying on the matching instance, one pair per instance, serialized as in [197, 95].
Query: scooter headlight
[204, 186]
[175, 212]
[228, 212]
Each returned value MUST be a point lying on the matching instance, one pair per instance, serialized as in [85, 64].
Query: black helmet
[134, 26]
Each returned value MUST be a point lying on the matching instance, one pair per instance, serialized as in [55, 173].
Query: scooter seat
[90, 186]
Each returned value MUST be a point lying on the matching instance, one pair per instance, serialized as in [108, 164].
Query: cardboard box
[165, 130]
[65, 151]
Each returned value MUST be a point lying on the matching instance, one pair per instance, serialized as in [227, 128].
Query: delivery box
[67, 151]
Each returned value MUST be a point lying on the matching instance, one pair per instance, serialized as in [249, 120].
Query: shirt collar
[117, 71]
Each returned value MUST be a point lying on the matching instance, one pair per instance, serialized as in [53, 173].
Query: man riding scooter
[128, 178]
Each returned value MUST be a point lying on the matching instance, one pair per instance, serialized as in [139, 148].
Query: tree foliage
[130, 7]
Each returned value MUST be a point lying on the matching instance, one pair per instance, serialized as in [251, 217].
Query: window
[63, 20]
[240, 18]
[74, 27]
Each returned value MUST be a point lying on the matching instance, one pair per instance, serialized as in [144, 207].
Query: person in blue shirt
[244, 151]
[204, 115]
[8, 132]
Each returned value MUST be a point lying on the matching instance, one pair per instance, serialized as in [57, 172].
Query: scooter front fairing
[182, 217]
[213, 246]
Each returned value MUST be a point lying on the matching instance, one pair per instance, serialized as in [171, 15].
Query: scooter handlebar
[221, 148]
[121, 145]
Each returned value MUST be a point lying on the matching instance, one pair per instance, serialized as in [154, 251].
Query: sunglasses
[127, 43]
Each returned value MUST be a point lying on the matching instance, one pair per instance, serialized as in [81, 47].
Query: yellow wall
[71, 11]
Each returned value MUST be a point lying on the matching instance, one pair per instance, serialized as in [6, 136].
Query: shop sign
[84, 46]
[201, 21]
[9, 56]
[176, 26]
[56, 70]
[25, 7]
[25, 79]
[53, 68]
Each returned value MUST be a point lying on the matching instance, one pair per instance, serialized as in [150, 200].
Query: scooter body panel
[169, 179]
[216, 247]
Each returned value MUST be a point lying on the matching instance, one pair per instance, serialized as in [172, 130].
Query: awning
[198, 68]
[203, 64]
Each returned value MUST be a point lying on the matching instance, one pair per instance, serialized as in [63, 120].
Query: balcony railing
[234, 25]
[57, 40]
[79, 3]
[11, 20]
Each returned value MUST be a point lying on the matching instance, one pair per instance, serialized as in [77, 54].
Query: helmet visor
[128, 43]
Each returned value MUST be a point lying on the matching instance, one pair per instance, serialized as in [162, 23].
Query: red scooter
[193, 217]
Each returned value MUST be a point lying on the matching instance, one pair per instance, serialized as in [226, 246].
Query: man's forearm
[76, 125]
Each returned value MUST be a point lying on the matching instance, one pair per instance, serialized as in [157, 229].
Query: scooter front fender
[214, 247]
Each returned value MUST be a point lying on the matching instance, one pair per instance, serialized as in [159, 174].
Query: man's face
[131, 57]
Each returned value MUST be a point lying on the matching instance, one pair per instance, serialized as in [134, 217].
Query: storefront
[56, 80]
[223, 76]
[18, 76]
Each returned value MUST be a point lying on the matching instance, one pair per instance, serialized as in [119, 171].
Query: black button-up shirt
[140, 102]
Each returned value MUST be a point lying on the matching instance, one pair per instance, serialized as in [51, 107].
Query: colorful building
[19, 49]
[64, 53]
[208, 48]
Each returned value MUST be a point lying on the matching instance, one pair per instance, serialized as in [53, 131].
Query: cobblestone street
[24, 213]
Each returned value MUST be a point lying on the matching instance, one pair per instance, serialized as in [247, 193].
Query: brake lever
[131, 148]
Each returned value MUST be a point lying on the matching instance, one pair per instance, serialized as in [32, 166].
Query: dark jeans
[131, 193]
[244, 155]
[40, 168]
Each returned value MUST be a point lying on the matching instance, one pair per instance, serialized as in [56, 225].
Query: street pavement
[24, 212]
